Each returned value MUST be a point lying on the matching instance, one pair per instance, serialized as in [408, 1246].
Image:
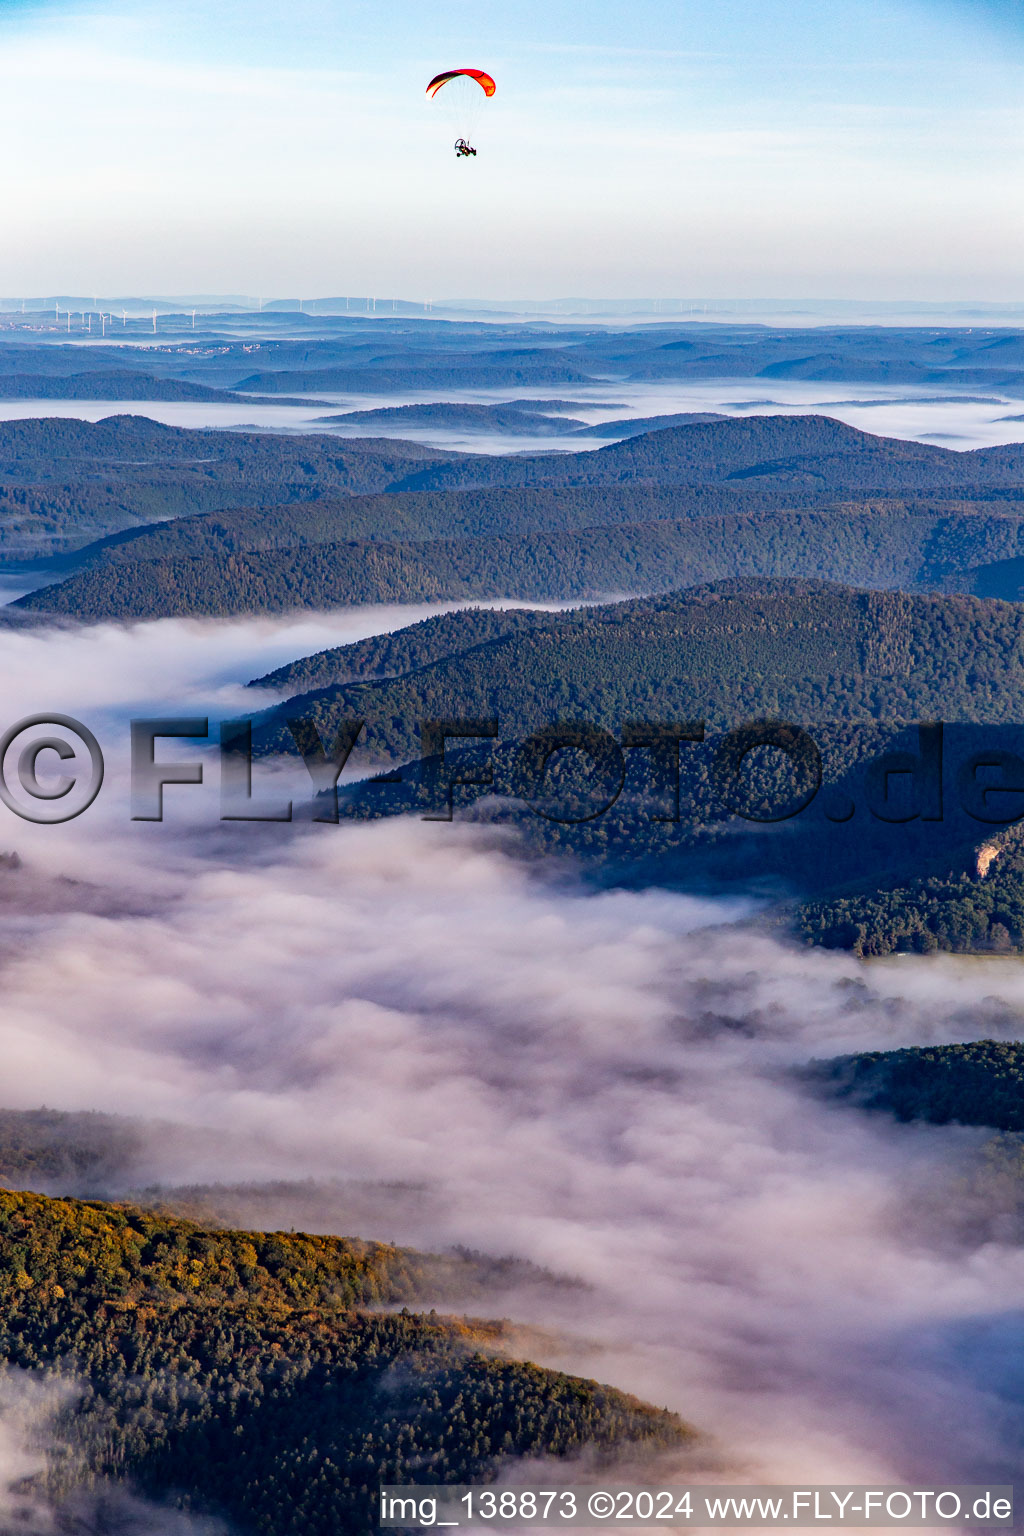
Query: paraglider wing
[482, 79]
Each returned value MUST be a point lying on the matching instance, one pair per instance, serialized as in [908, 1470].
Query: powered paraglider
[460, 93]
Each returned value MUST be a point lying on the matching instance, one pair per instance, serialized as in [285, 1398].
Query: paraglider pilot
[462, 148]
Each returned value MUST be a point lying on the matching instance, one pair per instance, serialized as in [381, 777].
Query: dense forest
[64, 482]
[782, 452]
[242, 1374]
[511, 514]
[107, 384]
[526, 417]
[134, 470]
[857, 669]
[973, 907]
[540, 567]
[406, 650]
[299, 566]
[591, 564]
[43, 449]
[772, 495]
[724, 653]
[529, 418]
[524, 366]
[54, 1151]
[980, 1082]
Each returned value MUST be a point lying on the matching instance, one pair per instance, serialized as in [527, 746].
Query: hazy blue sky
[861, 148]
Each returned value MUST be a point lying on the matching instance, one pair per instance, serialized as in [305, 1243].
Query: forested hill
[699, 453]
[829, 650]
[515, 417]
[405, 650]
[241, 1374]
[278, 352]
[727, 652]
[37, 449]
[533, 418]
[979, 1082]
[509, 514]
[63, 481]
[432, 354]
[499, 369]
[298, 558]
[820, 656]
[108, 384]
[589, 563]
[856, 669]
[786, 452]
[879, 512]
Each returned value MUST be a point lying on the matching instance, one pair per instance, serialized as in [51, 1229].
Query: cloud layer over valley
[484, 1054]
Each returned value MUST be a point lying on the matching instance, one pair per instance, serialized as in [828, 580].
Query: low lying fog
[921, 414]
[596, 1083]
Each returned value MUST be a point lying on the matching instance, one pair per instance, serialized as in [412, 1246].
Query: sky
[742, 148]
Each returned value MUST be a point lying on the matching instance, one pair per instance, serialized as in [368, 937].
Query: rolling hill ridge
[241, 1374]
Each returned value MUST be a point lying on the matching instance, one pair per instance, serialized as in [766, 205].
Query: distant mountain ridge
[384, 353]
[792, 452]
[699, 453]
[248, 560]
[108, 384]
[64, 482]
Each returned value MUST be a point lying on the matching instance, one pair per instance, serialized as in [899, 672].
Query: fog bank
[491, 1056]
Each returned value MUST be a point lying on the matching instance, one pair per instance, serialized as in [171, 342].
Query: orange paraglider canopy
[482, 79]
